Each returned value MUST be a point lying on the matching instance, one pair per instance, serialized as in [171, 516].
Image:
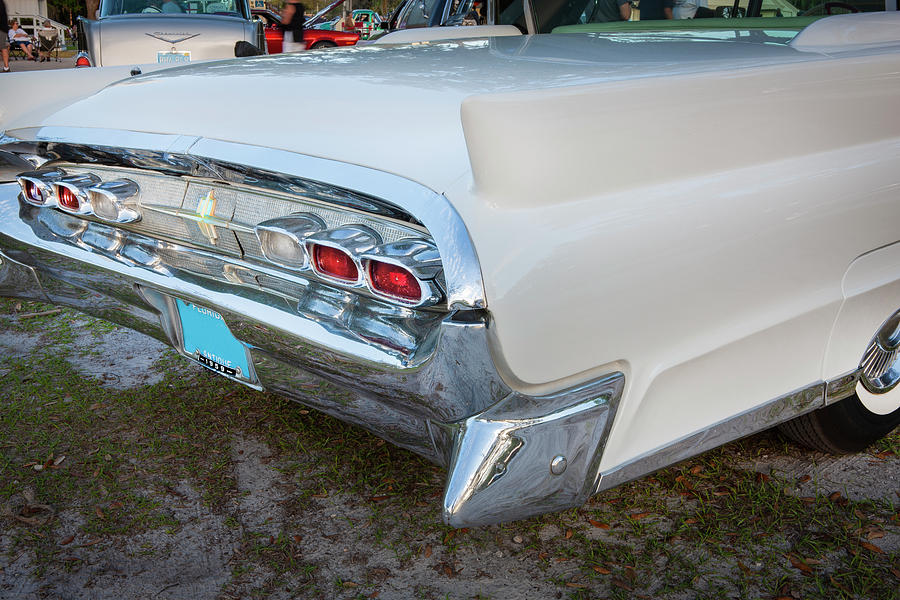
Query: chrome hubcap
[880, 369]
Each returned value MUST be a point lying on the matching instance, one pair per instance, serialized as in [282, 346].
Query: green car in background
[366, 21]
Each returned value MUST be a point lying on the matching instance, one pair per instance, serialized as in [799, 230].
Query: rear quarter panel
[692, 231]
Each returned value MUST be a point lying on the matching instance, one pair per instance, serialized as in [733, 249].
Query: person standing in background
[292, 17]
[656, 10]
[4, 43]
[606, 11]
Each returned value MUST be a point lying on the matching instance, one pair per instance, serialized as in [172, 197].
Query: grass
[344, 514]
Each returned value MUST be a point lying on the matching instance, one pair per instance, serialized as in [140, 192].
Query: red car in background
[314, 38]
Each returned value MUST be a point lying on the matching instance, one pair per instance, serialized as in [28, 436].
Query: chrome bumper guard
[509, 455]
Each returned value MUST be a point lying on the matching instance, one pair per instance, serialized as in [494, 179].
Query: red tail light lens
[33, 192]
[393, 280]
[82, 61]
[67, 198]
[334, 263]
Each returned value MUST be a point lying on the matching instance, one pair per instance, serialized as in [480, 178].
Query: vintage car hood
[126, 40]
[396, 109]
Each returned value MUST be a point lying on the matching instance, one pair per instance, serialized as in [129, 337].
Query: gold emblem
[205, 209]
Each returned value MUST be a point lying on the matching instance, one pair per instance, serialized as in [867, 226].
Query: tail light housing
[71, 193]
[37, 186]
[394, 281]
[83, 60]
[335, 253]
[334, 263]
[282, 240]
[115, 201]
[34, 192]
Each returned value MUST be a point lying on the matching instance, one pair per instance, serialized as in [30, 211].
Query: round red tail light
[33, 192]
[82, 61]
[67, 198]
[334, 263]
[394, 281]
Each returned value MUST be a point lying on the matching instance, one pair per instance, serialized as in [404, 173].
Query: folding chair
[16, 52]
[48, 41]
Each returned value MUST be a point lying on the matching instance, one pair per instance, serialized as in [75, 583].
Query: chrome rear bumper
[509, 455]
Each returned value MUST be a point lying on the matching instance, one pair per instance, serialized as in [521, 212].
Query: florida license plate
[209, 341]
[173, 57]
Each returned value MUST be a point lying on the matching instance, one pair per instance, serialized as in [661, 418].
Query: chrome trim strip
[462, 272]
[752, 421]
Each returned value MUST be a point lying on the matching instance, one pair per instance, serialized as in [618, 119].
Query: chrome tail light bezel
[296, 228]
[419, 257]
[122, 194]
[77, 185]
[43, 181]
[353, 240]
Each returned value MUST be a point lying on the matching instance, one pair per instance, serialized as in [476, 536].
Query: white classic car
[168, 32]
[577, 258]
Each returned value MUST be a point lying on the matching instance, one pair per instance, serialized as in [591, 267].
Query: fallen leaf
[721, 491]
[58, 460]
[807, 499]
[350, 584]
[378, 498]
[896, 572]
[835, 496]
[115, 505]
[599, 524]
[696, 470]
[875, 534]
[885, 454]
[639, 516]
[602, 571]
[579, 586]
[67, 540]
[799, 563]
[840, 586]
[621, 584]
[98, 512]
[428, 551]
[569, 534]
[804, 479]
[543, 556]
[744, 568]
[91, 543]
[762, 478]
[691, 521]
[871, 547]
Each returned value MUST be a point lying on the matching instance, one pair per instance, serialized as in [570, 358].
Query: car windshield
[187, 7]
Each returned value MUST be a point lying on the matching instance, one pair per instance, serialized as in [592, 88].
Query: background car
[129, 32]
[314, 38]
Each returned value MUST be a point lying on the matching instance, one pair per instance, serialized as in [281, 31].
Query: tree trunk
[92, 7]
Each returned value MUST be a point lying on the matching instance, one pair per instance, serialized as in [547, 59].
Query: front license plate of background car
[173, 57]
[208, 339]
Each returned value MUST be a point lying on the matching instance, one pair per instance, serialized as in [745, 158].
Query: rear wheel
[323, 44]
[871, 413]
[845, 426]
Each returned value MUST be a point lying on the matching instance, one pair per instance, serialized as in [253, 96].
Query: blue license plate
[173, 58]
[209, 341]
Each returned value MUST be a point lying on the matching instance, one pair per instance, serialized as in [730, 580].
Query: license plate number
[173, 58]
[208, 340]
